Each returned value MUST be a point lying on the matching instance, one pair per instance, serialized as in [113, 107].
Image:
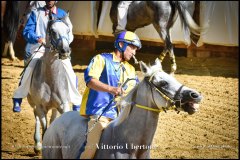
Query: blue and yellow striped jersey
[108, 69]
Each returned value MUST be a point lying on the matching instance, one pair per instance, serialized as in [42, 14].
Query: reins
[175, 103]
[31, 58]
[107, 107]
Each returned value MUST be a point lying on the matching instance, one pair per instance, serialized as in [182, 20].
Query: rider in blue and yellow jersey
[104, 77]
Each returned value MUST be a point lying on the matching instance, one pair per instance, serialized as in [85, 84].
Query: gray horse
[49, 89]
[162, 14]
[131, 134]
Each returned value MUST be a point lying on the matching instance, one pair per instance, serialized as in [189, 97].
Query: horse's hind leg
[168, 48]
[4, 54]
[9, 45]
[40, 117]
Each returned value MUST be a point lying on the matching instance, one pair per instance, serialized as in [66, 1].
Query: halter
[175, 103]
[54, 43]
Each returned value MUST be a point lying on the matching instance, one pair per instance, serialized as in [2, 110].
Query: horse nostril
[194, 95]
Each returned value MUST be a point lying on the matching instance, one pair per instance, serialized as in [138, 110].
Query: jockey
[104, 76]
[122, 15]
[34, 33]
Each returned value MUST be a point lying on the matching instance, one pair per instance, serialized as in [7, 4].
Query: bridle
[175, 102]
[54, 43]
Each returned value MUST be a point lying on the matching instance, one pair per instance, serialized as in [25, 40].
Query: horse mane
[126, 105]
[126, 102]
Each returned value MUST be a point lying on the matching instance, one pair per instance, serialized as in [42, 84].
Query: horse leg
[9, 45]
[54, 115]
[3, 10]
[11, 50]
[64, 107]
[5, 49]
[168, 48]
[40, 117]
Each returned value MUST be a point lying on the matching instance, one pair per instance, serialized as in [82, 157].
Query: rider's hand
[42, 41]
[116, 91]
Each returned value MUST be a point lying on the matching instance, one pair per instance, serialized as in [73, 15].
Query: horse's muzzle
[190, 102]
[64, 53]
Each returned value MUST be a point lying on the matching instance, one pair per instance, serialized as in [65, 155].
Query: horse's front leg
[64, 107]
[40, 118]
[54, 115]
[11, 50]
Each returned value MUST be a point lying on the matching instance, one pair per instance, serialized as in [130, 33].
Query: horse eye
[163, 83]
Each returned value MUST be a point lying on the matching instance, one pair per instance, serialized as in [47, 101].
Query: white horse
[135, 126]
[49, 85]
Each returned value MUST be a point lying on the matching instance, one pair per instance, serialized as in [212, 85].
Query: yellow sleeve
[96, 67]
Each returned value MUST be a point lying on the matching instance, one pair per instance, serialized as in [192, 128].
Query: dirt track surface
[211, 133]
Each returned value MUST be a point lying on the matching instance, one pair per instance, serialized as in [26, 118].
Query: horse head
[167, 92]
[59, 36]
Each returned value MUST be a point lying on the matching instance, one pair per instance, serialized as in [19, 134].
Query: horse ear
[158, 63]
[144, 68]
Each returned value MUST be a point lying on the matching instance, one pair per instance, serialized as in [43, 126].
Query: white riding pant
[122, 14]
[94, 136]
[24, 88]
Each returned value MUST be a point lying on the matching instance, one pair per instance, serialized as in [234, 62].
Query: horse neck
[50, 63]
[140, 123]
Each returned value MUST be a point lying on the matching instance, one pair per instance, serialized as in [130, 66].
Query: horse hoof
[15, 59]
[38, 148]
[37, 152]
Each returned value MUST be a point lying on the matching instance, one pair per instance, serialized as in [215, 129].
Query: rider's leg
[74, 95]
[93, 137]
[24, 85]
[122, 15]
[76, 107]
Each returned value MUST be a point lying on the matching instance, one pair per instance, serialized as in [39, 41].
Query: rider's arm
[99, 86]
[29, 32]
[93, 73]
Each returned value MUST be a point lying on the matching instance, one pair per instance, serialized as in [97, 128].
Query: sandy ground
[211, 133]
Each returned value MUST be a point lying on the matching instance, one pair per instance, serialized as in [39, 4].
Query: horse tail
[11, 19]
[189, 25]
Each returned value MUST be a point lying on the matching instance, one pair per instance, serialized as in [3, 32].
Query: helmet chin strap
[123, 58]
[122, 50]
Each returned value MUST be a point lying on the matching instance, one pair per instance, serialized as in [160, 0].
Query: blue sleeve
[88, 78]
[30, 29]
[61, 13]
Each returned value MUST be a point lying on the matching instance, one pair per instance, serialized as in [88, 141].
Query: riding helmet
[128, 38]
